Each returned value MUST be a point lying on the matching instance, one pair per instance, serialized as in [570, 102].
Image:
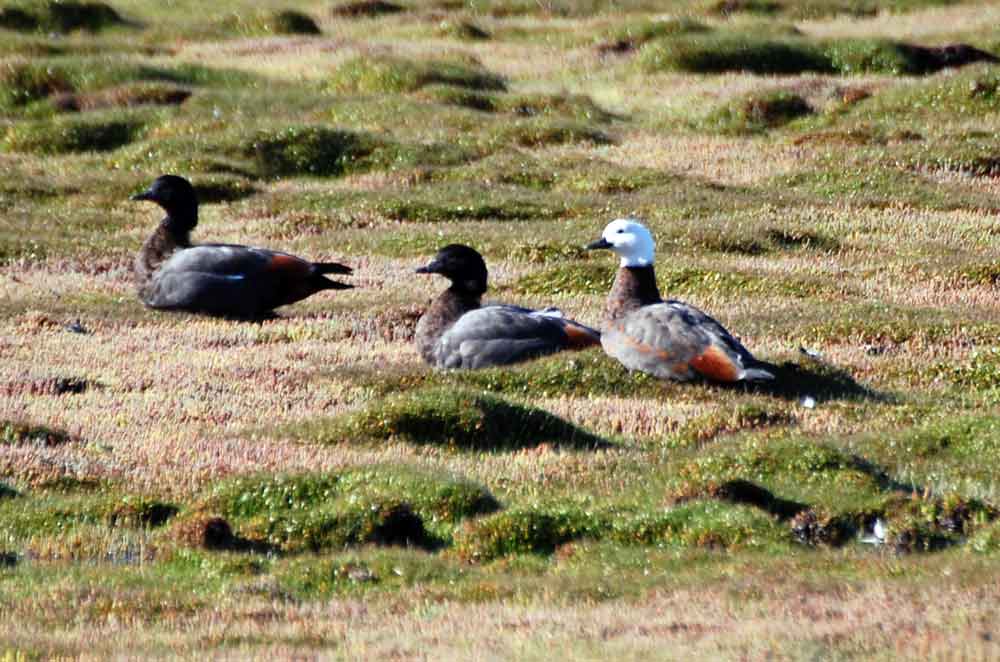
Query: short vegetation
[820, 176]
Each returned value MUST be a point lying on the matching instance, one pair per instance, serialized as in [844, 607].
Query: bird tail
[757, 375]
[322, 283]
[332, 268]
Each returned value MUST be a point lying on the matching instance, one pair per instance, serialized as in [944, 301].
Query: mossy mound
[65, 135]
[309, 150]
[629, 37]
[123, 96]
[541, 529]
[717, 52]
[734, 50]
[370, 75]
[366, 9]
[379, 504]
[55, 514]
[758, 112]
[17, 433]
[61, 16]
[271, 22]
[464, 30]
[451, 417]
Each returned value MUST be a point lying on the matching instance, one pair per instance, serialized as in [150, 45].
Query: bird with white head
[668, 339]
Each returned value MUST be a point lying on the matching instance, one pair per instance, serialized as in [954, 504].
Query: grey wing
[206, 293]
[660, 340]
[712, 328]
[221, 280]
[219, 259]
[499, 335]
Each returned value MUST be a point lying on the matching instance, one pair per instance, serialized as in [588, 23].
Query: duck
[223, 280]
[458, 332]
[667, 339]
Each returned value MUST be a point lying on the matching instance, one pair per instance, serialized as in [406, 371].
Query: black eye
[620, 230]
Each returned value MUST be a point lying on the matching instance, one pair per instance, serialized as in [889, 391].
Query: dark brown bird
[668, 339]
[457, 331]
[217, 279]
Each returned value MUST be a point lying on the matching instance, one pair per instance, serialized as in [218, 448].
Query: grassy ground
[171, 484]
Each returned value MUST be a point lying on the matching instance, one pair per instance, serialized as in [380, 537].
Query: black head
[462, 265]
[176, 196]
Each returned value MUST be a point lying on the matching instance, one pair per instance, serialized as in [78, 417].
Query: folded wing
[500, 335]
[677, 341]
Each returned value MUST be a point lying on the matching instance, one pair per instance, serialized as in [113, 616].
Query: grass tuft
[370, 75]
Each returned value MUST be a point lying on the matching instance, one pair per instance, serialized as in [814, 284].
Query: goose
[667, 339]
[217, 279]
[458, 331]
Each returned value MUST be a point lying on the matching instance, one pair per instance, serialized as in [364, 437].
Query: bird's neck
[164, 242]
[634, 287]
[438, 318]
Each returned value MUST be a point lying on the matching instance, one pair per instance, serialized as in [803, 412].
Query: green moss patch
[369, 75]
[981, 371]
[541, 530]
[479, 203]
[580, 278]
[461, 419]
[717, 52]
[632, 35]
[581, 374]
[758, 112]
[763, 53]
[312, 150]
[379, 504]
[54, 515]
[61, 16]
[65, 135]
[271, 22]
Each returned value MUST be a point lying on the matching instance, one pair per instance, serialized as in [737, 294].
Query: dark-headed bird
[457, 331]
[217, 279]
[667, 339]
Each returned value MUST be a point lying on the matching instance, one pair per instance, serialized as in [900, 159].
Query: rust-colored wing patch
[580, 338]
[289, 266]
[715, 364]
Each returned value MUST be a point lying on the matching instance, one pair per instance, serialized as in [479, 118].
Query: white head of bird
[631, 241]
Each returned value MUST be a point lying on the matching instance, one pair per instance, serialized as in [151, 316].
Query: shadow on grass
[821, 381]
[459, 418]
